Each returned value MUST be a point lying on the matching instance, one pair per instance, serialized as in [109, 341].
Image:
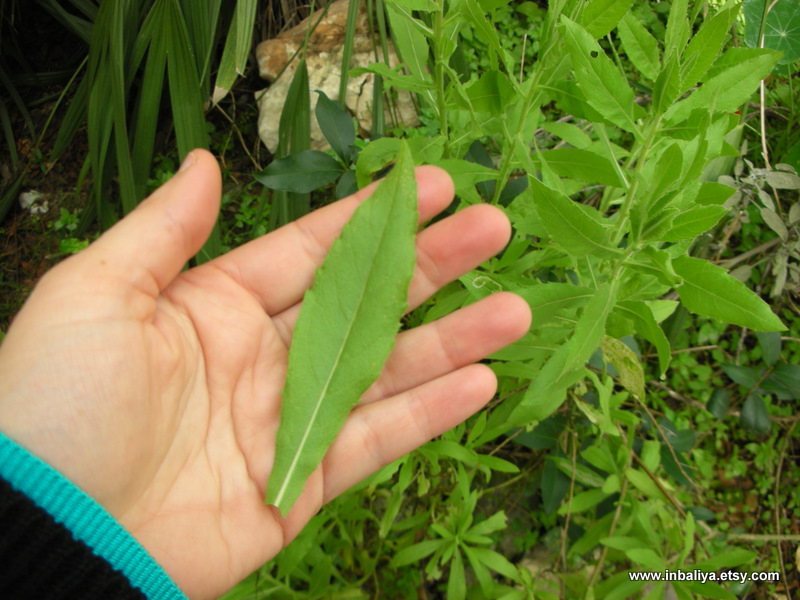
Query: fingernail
[187, 162]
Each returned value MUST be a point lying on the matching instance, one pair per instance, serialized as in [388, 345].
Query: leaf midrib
[315, 413]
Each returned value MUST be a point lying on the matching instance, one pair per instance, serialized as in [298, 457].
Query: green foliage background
[646, 154]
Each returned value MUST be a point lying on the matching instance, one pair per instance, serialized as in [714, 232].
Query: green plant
[346, 327]
[600, 156]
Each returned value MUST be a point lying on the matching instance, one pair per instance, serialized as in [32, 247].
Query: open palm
[158, 391]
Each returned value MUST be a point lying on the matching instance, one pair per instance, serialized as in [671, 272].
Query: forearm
[57, 542]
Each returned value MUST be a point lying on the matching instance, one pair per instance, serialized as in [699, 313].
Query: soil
[29, 244]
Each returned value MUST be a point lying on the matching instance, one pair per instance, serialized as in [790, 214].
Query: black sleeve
[39, 558]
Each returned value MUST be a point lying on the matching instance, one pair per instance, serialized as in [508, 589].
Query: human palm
[158, 391]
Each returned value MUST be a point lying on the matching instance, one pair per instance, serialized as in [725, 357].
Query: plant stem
[438, 58]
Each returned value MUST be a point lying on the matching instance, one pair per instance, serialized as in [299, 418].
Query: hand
[158, 391]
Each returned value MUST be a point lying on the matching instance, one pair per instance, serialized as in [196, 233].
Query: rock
[324, 61]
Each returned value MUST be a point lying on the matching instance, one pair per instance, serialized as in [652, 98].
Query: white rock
[324, 60]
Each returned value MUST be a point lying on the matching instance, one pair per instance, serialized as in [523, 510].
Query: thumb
[148, 248]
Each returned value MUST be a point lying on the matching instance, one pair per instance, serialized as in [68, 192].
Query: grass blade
[237, 48]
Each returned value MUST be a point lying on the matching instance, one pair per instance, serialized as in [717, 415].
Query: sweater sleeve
[57, 542]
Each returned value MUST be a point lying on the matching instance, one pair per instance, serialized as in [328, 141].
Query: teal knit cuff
[86, 519]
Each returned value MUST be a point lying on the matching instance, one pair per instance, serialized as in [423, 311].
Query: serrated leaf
[491, 93]
[601, 82]
[346, 328]
[547, 299]
[301, 172]
[640, 46]
[705, 46]
[583, 165]
[693, 222]
[709, 291]
[729, 83]
[568, 225]
[601, 16]
[647, 327]
[411, 42]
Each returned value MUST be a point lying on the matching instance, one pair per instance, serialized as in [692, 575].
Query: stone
[324, 61]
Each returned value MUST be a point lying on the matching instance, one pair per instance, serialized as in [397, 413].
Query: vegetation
[647, 156]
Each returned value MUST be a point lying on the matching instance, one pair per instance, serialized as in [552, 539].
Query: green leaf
[770, 342]
[555, 485]
[601, 16]
[491, 93]
[300, 173]
[346, 328]
[237, 48]
[646, 558]
[578, 231]
[591, 326]
[677, 28]
[582, 474]
[754, 416]
[547, 299]
[548, 389]
[583, 501]
[691, 223]
[640, 46]
[373, 157]
[336, 125]
[646, 326]
[718, 403]
[414, 554]
[783, 27]
[411, 43]
[394, 79]
[642, 482]
[784, 382]
[709, 291]
[631, 373]
[729, 84]
[734, 557]
[705, 46]
[583, 165]
[471, 11]
[599, 79]
[466, 174]
[457, 581]
[746, 376]
[710, 589]
[496, 562]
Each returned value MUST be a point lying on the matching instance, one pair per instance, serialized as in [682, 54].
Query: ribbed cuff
[86, 519]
